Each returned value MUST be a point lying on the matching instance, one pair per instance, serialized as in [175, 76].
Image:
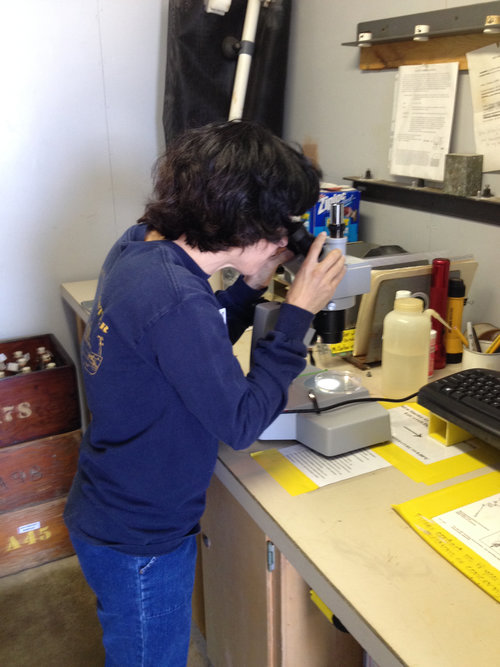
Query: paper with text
[423, 109]
[299, 470]
[484, 77]
[325, 471]
[423, 458]
[409, 430]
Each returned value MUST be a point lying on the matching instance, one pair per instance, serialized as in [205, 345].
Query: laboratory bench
[263, 549]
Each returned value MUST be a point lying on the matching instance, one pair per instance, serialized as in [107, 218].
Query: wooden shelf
[390, 55]
[478, 209]
[451, 33]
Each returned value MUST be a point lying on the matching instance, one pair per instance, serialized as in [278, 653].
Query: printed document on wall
[422, 120]
[484, 76]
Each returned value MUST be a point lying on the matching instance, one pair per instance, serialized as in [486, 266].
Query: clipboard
[375, 305]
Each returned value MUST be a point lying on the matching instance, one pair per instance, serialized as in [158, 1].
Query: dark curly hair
[230, 184]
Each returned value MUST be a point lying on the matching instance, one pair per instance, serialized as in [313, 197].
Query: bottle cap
[402, 294]
[409, 305]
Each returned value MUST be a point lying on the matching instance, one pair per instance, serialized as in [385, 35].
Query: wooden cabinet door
[255, 617]
[240, 594]
[307, 636]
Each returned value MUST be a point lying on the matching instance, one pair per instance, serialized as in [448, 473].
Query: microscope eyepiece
[300, 241]
[337, 226]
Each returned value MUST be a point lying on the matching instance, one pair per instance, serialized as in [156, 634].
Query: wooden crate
[40, 403]
[32, 536]
[37, 471]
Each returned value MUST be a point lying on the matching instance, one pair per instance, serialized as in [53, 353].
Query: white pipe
[244, 60]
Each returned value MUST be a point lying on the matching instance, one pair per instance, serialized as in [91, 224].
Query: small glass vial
[432, 351]
[23, 360]
[43, 357]
[12, 368]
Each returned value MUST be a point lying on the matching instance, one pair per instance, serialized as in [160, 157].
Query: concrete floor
[49, 620]
[197, 650]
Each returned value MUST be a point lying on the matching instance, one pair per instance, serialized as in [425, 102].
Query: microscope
[315, 414]
[329, 323]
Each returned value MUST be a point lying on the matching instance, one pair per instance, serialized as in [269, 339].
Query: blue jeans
[143, 603]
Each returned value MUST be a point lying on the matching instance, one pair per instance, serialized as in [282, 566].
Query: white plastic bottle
[405, 348]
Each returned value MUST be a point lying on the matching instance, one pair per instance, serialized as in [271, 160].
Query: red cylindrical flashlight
[438, 300]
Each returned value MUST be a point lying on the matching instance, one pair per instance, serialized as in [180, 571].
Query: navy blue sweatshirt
[164, 387]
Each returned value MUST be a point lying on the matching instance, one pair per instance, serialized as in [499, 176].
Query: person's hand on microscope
[316, 281]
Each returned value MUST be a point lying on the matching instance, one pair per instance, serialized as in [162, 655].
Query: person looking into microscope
[161, 380]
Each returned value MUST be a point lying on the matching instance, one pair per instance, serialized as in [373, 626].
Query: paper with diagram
[462, 523]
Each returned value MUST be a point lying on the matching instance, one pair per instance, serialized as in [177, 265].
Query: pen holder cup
[481, 359]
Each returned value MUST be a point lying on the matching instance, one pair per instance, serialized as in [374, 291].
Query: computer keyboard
[470, 399]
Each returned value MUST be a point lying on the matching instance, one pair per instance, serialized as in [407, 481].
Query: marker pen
[472, 338]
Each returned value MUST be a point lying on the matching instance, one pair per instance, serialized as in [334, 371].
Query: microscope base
[335, 432]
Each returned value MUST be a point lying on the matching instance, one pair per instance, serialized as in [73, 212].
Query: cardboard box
[37, 471]
[32, 536]
[40, 403]
[316, 219]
